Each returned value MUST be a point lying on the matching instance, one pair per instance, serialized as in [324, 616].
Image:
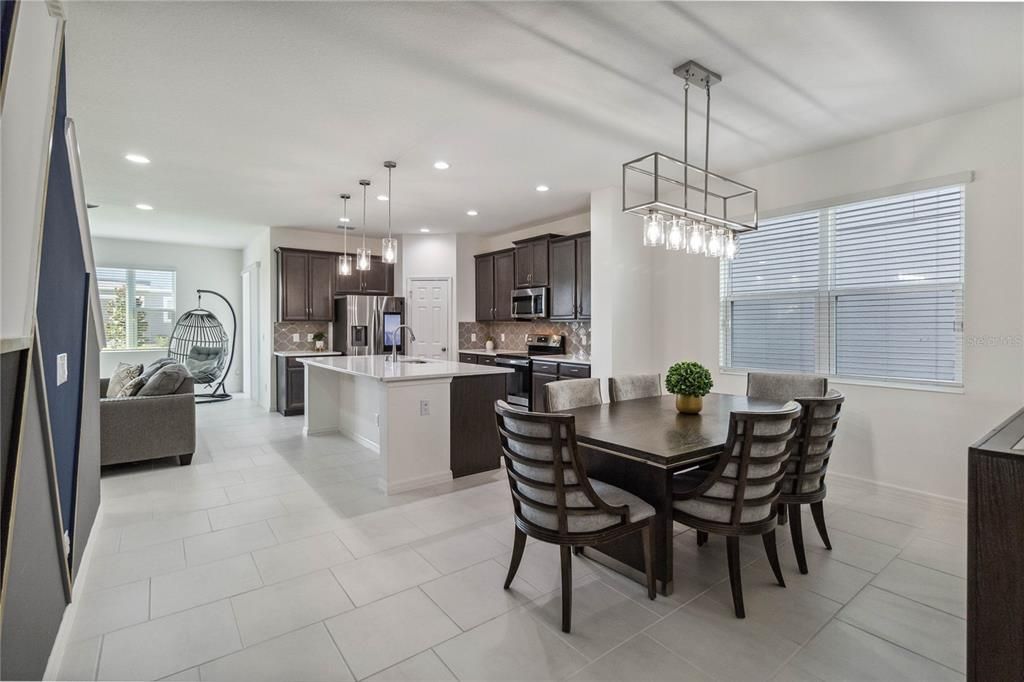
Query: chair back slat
[805, 472]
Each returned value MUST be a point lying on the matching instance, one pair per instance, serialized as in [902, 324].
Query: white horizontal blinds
[139, 308]
[769, 291]
[898, 287]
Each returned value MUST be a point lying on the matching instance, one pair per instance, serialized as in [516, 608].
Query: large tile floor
[274, 557]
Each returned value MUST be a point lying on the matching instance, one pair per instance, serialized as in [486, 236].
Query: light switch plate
[472, 337]
[309, 337]
[295, 338]
[424, 408]
[503, 338]
[62, 368]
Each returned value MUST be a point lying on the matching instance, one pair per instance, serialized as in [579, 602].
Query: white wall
[911, 438]
[196, 267]
[259, 251]
[430, 255]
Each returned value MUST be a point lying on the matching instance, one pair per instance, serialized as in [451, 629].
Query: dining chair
[776, 386]
[804, 480]
[634, 386]
[572, 393]
[738, 497]
[555, 501]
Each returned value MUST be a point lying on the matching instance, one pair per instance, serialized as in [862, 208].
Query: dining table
[640, 445]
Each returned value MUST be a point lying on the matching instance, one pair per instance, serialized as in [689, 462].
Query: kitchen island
[430, 420]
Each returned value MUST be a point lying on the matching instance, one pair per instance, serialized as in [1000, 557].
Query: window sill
[898, 385]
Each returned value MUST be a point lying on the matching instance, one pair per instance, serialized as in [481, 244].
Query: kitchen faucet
[396, 340]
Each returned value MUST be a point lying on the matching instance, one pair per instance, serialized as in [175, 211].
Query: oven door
[529, 304]
[517, 384]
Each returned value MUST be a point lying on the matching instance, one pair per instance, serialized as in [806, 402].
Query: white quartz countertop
[496, 351]
[304, 353]
[562, 358]
[381, 368]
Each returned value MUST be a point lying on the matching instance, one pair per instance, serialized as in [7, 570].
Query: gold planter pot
[689, 404]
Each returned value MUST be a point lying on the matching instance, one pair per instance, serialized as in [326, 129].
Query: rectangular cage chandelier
[686, 207]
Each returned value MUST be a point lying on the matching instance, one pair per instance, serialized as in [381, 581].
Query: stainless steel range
[520, 382]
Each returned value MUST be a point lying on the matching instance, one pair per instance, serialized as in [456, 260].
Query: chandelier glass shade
[389, 246]
[345, 260]
[363, 254]
[686, 207]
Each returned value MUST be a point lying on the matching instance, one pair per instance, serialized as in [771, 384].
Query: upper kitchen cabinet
[532, 261]
[379, 280]
[495, 280]
[305, 285]
[570, 278]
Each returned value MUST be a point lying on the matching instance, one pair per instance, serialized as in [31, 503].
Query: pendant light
[389, 246]
[363, 254]
[345, 260]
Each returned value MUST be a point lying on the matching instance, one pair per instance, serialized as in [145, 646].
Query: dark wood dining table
[639, 445]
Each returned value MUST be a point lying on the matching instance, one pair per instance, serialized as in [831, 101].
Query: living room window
[138, 307]
[870, 290]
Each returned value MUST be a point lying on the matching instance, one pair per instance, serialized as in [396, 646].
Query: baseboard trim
[408, 484]
[319, 432]
[362, 440]
[902, 489]
[67, 621]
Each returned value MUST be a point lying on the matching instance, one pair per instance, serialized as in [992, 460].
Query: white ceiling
[260, 113]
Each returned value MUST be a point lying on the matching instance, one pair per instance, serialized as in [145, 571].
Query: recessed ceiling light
[343, 219]
[382, 197]
[144, 207]
[471, 212]
[441, 165]
[136, 158]
[542, 188]
[424, 229]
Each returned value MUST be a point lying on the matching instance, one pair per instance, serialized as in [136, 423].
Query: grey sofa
[148, 427]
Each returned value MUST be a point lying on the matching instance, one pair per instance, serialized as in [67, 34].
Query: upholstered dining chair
[634, 386]
[804, 480]
[555, 501]
[738, 497]
[572, 393]
[775, 386]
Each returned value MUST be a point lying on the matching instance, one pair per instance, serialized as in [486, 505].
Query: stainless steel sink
[413, 361]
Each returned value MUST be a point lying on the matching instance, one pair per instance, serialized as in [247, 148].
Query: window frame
[130, 325]
[826, 293]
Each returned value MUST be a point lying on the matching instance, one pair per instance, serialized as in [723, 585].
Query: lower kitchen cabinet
[544, 372]
[291, 386]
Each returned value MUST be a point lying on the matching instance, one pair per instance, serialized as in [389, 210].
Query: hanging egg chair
[200, 342]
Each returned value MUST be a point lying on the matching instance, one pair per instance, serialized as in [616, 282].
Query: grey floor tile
[248, 511]
[460, 549]
[308, 654]
[377, 636]
[170, 644]
[541, 566]
[871, 527]
[937, 555]
[831, 579]
[300, 556]
[708, 635]
[305, 524]
[190, 675]
[159, 530]
[514, 646]
[476, 594]
[377, 532]
[282, 607]
[203, 584]
[934, 588]
[80, 660]
[926, 631]
[641, 658]
[852, 549]
[110, 570]
[843, 652]
[223, 544]
[423, 667]
[111, 609]
[373, 577]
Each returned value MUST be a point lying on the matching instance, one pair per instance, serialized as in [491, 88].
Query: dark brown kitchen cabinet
[532, 261]
[291, 386]
[305, 285]
[495, 276]
[379, 279]
[469, 358]
[570, 278]
[543, 373]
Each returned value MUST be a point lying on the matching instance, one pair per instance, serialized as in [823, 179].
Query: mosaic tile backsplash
[283, 334]
[515, 334]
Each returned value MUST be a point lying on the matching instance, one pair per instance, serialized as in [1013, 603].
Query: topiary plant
[688, 378]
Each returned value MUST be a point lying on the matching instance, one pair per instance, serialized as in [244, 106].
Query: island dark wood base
[475, 446]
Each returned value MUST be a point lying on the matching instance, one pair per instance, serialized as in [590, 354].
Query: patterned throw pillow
[166, 381]
[121, 377]
[132, 387]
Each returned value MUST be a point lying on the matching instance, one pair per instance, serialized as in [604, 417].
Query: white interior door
[428, 313]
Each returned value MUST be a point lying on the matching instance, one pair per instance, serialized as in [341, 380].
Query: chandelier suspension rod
[686, 144]
[707, 143]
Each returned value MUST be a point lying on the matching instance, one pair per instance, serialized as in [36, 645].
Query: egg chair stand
[200, 342]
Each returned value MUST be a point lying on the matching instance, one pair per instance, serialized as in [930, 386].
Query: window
[868, 290]
[138, 307]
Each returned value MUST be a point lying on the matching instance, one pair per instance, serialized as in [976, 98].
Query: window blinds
[138, 306]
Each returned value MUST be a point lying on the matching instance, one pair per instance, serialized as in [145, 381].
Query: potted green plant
[319, 341]
[689, 382]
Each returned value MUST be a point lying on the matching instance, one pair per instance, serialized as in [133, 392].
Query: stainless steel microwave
[529, 304]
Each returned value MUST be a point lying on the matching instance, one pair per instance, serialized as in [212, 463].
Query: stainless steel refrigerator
[365, 325]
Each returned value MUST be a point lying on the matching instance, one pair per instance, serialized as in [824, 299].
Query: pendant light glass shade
[363, 259]
[730, 246]
[695, 244]
[676, 238]
[389, 245]
[345, 265]
[654, 229]
[715, 242]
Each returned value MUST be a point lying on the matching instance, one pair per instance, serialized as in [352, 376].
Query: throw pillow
[132, 387]
[124, 373]
[166, 381]
[155, 366]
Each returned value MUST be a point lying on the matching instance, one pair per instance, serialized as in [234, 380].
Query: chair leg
[577, 549]
[702, 538]
[732, 546]
[519, 544]
[566, 588]
[645, 538]
[773, 555]
[185, 460]
[798, 537]
[818, 512]
[782, 514]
